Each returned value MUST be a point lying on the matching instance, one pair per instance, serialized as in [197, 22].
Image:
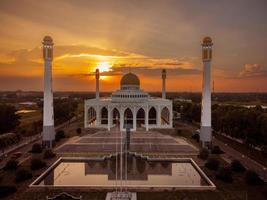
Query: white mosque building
[129, 106]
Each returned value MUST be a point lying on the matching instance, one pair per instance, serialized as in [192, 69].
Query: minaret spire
[205, 130]
[164, 83]
[48, 109]
[97, 76]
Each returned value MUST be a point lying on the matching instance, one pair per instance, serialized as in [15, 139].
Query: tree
[79, 131]
[252, 178]
[11, 165]
[9, 120]
[23, 175]
[36, 148]
[212, 164]
[64, 110]
[37, 164]
[225, 174]
[59, 135]
[237, 166]
[204, 154]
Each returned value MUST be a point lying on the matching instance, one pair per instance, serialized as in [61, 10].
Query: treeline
[9, 120]
[64, 109]
[247, 124]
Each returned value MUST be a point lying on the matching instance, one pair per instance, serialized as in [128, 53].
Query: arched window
[165, 116]
[104, 115]
[116, 116]
[91, 116]
[140, 117]
[152, 116]
[128, 118]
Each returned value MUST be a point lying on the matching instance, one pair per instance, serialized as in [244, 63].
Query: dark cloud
[252, 71]
[147, 71]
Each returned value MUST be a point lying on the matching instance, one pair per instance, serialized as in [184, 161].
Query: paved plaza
[140, 142]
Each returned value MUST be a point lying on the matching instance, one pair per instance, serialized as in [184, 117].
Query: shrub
[7, 190]
[237, 166]
[196, 137]
[60, 135]
[78, 131]
[212, 164]
[23, 175]
[37, 164]
[36, 148]
[204, 154]
[140, 165]
[11, 165]
[252, 178]
[217, 150]
[165, 164]
[49, 154]
[225, 174]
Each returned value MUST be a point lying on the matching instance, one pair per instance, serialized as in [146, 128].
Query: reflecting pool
[141, 173]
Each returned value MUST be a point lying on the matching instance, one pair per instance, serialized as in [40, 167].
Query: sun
[104, 66]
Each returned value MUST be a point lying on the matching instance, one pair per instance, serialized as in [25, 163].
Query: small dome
[207, 40]
[48, 40]
[130, 79]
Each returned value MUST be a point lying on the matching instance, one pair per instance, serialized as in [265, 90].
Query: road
[232, 154]
[26, 144]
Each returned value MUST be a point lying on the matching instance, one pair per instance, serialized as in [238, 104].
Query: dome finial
[207, 41]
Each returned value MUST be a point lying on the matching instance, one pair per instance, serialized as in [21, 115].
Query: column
[109, 116]
[85, 116]
[146, 118]
[171, 116]
[158, 116]
[134, 119]
[98, 121]
[121, 119]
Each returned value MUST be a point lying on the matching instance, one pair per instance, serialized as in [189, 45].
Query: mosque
[129, 106]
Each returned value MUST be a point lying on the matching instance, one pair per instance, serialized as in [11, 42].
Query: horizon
[141, 37]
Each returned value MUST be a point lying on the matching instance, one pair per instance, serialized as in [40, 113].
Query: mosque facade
[129, 106]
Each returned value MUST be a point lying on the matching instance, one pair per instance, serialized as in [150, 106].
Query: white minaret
[48, 109]
[164, 83]
[97, 83]
[205, 130]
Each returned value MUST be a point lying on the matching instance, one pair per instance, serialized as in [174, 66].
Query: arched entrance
[115, 116]
[128, 118]
[140, 117]
[91, 116]
[104, 115]
[165, 116]
[152, 116]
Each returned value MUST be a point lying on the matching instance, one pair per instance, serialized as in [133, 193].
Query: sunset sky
[141, 36]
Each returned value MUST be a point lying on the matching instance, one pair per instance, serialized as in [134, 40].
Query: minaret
[97, 83]
[205, 130]
[48, 110]
[164, 83]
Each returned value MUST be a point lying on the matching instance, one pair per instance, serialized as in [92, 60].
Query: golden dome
[207, 40]
[130, 79]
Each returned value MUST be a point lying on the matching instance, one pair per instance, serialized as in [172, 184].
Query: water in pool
[140, 173]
